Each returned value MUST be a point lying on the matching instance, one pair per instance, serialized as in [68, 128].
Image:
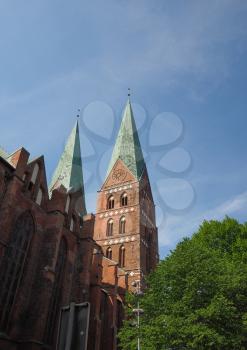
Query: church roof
[127, 146]
[69, 170]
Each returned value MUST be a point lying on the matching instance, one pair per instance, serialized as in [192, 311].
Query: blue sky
[181, 59]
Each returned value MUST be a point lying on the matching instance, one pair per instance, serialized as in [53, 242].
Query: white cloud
[176, 227]
[237, 204]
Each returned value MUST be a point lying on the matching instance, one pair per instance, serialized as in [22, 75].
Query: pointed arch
[122, 225]
[12, 265]
[67, 204]
[121, 256]
[72, 225]
[39, 196]
[35, 173]
[110, 202]
[109, 253]
[124, 199]
[109, 228]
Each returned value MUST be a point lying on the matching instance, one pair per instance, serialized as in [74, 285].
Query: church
[64, 272]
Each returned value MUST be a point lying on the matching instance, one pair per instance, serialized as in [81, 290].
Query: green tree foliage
[197, 296]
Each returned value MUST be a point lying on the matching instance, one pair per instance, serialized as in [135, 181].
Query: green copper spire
[69, 170]
[128, 147]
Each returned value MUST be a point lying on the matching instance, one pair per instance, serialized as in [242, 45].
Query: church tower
[125, 225]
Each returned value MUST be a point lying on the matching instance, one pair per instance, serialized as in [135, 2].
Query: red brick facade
[50, 256]
[137, 243]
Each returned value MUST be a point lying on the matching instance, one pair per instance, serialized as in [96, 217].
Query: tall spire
[127, 146]
[69, 169]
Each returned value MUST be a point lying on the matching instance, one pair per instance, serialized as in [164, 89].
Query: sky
[185, 63]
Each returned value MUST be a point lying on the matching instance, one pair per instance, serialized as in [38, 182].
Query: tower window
[12, 265]
[109, 253]
[35, 173]
[122, 224]
[121, 256]
[39, 196]
[67, 205]
[24, 177]
[33, 177]
[110, 203]
[124, 200]
[109, 230]
[72, 224]
[30, 186]
[81, 222]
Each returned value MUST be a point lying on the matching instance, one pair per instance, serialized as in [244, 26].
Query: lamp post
[138, 311]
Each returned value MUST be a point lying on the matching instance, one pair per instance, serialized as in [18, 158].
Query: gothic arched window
[72, 226]
[121, 256]
[33, 177]
[39, 196]
[12, 265]
[122, 224]
[110, 203]
[109, 229]
[67, 204]
[109, 253]
[35, 173]
[124, 200]
[55, 303]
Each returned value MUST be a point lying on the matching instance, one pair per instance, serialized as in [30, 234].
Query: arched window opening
[122, 256]
[13, 262]
[55, 304]
[35, 173]
[109, 230]
[39, 196]
[33, 177]
[72, 224]
[67, 205]
[122, 225]
[124, 200]
[110, 203]
[81, 222]
[24, 176]
[109, 253]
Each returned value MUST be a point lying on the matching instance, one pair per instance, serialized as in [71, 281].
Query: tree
[197, 296]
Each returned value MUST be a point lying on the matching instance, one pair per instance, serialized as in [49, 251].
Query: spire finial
[128, 92]
[78, 113]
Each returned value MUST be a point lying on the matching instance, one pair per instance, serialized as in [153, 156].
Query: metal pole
[138, 325]
[138, 311]
[138, 316]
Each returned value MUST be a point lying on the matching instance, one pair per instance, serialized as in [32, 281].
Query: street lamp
[138, 311]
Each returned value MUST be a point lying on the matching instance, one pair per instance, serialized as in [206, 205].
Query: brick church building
[62, 269]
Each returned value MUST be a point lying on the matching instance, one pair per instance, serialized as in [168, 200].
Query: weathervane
[128, 92]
